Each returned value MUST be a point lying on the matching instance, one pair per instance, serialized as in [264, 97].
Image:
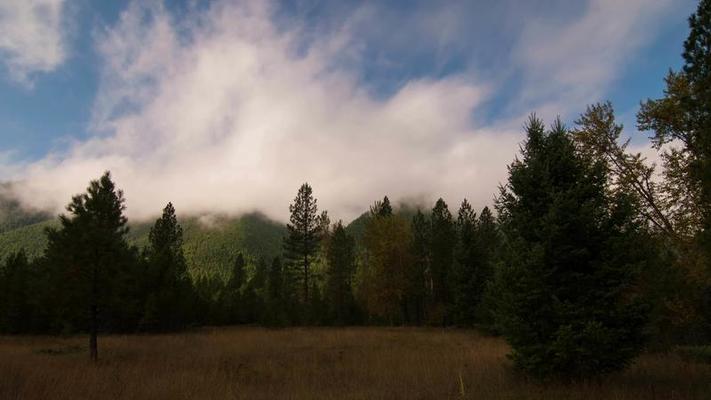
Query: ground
[313, 363]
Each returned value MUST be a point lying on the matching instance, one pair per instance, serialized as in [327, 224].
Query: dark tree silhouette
[572, 257]
[304, 234]
[90, 254]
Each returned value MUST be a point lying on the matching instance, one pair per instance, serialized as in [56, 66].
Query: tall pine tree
[171, 297]
[94, 269]
[303, 236]
[442, 243]
[341, 267]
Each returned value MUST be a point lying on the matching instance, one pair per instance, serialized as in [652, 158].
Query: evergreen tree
[231, 298]
[94, 269]
[304, 234]
[442, 243]
[465, 282]
[277, 298]
[341, 267]
[382, 208]
[568, 306]
[15, 302]
[255, 293]
[171, 296]
[419, 279]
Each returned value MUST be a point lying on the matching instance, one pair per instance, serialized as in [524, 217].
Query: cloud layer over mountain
[230, 108]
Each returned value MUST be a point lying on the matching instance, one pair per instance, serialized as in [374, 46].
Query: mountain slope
[210, 244]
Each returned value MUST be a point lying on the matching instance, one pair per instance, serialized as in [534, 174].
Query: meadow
[313, 363]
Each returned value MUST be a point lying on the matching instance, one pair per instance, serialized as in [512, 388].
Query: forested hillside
[210, 244]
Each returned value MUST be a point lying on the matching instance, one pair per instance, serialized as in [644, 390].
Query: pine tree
[94, 269]
[231, 298]
[15, 302]
[419, 279]
[442, 242]
[465, 283]
[304, 234]
[567, 307]
[171, 297]
[277, 298]
[341, 267]
[382, 208]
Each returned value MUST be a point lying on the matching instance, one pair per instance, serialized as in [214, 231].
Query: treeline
[592, 255]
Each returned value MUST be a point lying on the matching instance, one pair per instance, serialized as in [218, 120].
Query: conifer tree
[232, 294]
[420, 278]
[465, 283]
[94, 269]
[442, 243]
[277, 299]
[303, 236]
[171, 296]
[341, 267]
[15, 302]
[568, 306]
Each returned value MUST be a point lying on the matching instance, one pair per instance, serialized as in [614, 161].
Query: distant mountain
[210, 243]
[13, 215]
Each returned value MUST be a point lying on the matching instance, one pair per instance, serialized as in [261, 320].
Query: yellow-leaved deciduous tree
[385, 263]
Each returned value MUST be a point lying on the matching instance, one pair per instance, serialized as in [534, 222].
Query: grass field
[312, 363]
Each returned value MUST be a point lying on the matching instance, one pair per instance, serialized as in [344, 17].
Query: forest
[590, 256]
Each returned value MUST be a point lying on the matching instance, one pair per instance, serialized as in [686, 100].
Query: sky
[228, 106]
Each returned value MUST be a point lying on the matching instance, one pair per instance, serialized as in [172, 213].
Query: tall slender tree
[171, 296]
[465, 284]
[303, 236]
[442, 243]
[341, 267]
[420, 277]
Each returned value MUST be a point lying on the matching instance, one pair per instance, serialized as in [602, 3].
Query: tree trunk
[306, 279]
[93, 328]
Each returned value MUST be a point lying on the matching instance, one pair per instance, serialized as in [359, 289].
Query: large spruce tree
[303, 236]
[568, 305]
[94, 270]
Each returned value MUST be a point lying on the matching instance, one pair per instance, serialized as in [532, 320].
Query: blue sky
[141, 87]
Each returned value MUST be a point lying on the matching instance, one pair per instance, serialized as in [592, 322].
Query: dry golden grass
[311, 363]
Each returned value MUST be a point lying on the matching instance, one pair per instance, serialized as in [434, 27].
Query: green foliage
[341, 255]
[304, 233]
[473, 268]
[385, 266]
[13, 215]
[15, 307]
[442, 243]
[170, 295]
[210, 245]
[572, 259]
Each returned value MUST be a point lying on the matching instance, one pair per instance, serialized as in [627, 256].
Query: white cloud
[225, 112]
[31, 36]
[570, 63]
